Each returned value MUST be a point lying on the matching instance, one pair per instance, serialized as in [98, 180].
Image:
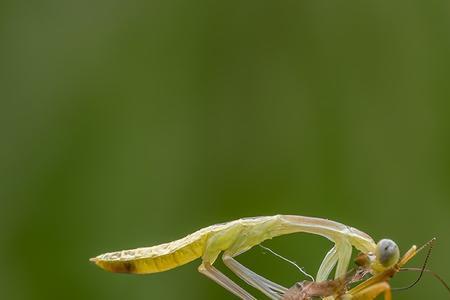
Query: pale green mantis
[235, 237]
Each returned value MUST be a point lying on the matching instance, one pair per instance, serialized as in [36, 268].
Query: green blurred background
[131, 123]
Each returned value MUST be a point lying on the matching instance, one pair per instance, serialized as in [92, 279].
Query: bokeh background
[131, 123]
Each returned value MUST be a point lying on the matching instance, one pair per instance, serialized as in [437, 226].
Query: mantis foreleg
[327, 265]
[344, 251]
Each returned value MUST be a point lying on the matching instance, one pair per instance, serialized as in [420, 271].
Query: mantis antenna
[434, 274]
[431, 244]
[289, 261]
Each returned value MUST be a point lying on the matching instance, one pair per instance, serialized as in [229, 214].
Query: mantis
[236, 237]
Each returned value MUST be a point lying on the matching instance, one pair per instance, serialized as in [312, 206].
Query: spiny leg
[214, 274]
[344, 251]
[327, 265]
[272, 290]
[373, 291]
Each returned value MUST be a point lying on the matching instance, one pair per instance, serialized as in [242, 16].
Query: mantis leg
[272, 290]
[327, 265]
[344, 251]
[214, 274]
[373, 291]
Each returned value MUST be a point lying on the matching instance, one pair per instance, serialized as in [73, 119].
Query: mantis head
[386, 255]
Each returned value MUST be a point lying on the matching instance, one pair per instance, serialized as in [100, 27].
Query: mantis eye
[387, 253]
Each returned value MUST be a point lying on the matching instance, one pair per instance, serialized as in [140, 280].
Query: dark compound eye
[387, 252]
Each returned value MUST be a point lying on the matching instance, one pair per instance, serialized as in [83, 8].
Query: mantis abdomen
[154, 259]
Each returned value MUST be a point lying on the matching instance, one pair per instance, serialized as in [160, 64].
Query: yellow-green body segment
[236, 237]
